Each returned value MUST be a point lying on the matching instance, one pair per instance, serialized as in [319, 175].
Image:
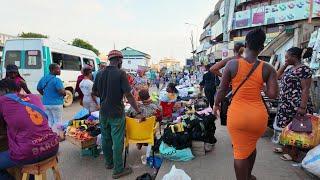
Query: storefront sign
[243, 19]
[258, 15]
[277, 13]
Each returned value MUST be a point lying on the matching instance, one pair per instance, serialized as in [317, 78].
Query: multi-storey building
[284, 21]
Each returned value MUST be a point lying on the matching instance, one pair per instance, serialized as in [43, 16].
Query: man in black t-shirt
[209, 83]
[111, 84]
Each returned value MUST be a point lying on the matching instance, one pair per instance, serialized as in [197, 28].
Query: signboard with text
[277, 13]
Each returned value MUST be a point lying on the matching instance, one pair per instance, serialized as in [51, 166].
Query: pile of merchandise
[194, 122]
[83, 129]
[83, 126]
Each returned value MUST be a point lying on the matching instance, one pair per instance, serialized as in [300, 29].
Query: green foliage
[32, 35]
[84, 44]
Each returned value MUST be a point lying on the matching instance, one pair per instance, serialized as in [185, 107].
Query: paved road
[215, 165]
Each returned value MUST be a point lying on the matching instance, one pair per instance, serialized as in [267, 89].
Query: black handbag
[227, 100]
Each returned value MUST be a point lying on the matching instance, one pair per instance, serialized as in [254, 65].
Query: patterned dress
[291, 93]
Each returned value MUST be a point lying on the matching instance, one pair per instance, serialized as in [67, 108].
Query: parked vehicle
[34, 55]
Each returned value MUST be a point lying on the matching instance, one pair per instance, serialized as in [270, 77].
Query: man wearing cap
[110, 85]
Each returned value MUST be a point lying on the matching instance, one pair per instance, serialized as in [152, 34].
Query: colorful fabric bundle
[302, 140]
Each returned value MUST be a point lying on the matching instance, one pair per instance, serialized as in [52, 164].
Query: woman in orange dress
[247, 114]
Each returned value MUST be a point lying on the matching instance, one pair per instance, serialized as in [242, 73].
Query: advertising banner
[243, 19]
[277, 13]
[258, 15]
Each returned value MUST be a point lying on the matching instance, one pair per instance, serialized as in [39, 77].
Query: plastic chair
[140, 132]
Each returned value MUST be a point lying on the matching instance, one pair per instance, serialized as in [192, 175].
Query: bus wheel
[68, 99]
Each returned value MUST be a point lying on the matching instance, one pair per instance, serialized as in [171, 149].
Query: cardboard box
[82, 144]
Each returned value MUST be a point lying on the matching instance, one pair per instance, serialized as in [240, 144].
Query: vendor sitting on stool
[30, 138]
[147, 107]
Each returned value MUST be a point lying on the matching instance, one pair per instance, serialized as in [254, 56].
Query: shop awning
[276, 43]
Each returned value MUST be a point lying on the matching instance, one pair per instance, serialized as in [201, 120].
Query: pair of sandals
[284, 157]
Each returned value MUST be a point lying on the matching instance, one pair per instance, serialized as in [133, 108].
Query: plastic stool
[39, 169]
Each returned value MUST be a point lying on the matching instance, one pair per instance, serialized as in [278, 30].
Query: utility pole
[192, 46]
[226, 33]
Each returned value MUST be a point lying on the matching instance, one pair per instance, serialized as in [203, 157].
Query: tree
[84, 44]
[32, 35]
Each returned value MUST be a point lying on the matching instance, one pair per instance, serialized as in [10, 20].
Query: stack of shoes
[198, 148]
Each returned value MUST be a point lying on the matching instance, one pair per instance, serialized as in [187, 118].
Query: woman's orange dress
[247, 114]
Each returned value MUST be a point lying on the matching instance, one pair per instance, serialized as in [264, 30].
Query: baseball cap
[115, 53]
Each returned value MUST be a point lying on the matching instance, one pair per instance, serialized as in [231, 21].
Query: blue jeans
[7, 162]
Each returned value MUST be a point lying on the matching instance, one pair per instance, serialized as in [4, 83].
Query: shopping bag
[302, 140]
[312, 161]
[176, 174]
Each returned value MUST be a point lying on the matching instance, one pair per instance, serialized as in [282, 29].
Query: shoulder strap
[256, 64]
[32, 106]
[44, 87]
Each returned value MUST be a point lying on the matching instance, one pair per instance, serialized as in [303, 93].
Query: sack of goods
[202, 128]
[301, 139]
[175, 136]
[312, 161]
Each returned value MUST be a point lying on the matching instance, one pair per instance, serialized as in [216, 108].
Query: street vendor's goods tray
[83, 144]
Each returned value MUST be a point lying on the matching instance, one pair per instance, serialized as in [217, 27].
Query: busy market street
[217, 163]
[160, 90]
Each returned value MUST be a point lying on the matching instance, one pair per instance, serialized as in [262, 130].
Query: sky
[156, 27]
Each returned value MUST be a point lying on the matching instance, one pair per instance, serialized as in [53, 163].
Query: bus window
[13, 57]
[33, 60]
[89, 62]
[67, 62]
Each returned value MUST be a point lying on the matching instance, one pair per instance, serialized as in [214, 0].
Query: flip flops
[286, 157]
[278, 150]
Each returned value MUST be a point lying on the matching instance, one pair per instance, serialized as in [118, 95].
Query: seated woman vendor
[30, 139]
[148, 108]
[168, 99]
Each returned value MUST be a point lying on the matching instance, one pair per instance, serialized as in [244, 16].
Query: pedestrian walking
[157, 81]
[238, 50]
[209, 83]
[111, 85]
[247, 114]
[12, 72]
[90, 101]
[294, 98]
[52, 91]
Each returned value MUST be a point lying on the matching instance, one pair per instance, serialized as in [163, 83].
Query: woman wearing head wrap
[140, 82]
